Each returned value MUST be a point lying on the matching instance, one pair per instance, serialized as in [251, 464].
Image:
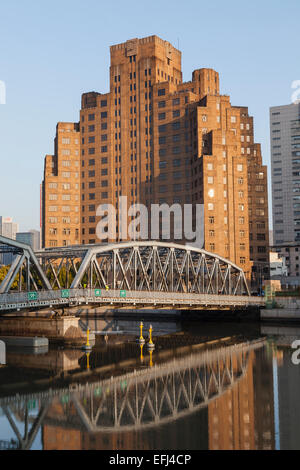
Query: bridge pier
[65, 330]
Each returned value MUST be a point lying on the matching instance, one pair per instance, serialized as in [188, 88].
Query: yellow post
[151, 361]
[87, 346]
[88, 338]
[150, 335]
[88, 361]
[150, 345]
[142, 357]
[141, 337]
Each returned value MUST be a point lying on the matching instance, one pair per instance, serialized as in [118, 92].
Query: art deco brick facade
[61, 189]
[231, 423]
[156, 139]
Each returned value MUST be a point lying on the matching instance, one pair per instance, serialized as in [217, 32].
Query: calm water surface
[205, 386]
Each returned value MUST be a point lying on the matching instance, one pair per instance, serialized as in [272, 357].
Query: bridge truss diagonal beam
[158, 266]
[24, 264]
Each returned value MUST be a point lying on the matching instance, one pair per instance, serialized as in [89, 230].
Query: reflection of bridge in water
[135, 401]
[134, 273]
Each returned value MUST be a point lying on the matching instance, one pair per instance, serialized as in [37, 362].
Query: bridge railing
[80, 296]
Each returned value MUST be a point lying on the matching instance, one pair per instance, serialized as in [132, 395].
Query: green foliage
[64, 277]
[3, 272]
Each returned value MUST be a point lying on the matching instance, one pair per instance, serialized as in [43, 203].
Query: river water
[205, 386]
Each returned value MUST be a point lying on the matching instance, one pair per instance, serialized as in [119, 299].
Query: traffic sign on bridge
[32, 296]
[65, 293]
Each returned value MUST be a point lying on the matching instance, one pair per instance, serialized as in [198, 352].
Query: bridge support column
[59, 330]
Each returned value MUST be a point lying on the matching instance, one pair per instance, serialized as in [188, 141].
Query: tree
[3, 272]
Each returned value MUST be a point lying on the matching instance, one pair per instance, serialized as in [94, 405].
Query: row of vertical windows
[91, 117]
[91, 128]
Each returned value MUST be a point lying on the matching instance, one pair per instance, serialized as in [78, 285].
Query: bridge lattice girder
[143, 266]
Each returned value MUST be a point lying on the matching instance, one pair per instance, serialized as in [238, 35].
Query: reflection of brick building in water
[231, 417]
[243, 418]
[58, 437]
[264, 401]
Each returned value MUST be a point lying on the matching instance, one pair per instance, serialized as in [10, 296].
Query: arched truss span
[143, 266]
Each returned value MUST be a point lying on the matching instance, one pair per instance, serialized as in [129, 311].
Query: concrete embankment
[25, 341]
[287, 309]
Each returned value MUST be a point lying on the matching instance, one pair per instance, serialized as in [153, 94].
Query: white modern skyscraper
[285, 157]
[8, 228]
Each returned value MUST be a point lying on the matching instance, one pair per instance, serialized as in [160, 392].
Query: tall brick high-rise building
[61, 189]
[158, 140]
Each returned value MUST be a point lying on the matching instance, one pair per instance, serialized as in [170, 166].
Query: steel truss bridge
[134, 401]
[133, 273]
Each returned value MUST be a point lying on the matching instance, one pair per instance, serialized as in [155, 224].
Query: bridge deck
[153, 273]
[74, 297]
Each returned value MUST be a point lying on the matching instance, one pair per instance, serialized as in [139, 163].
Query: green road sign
[123, 293]
[98, 392]
[65, 294]
[32, 295]
[98, 293]
[123, 385]
[31, 405]
[65, 399]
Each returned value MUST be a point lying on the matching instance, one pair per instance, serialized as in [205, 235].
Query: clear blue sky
[52, 51]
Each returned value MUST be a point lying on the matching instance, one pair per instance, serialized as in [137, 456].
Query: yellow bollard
[142, 357]
[88, 361]
[87, 347]
[151, 361]
[150, 333]
[141, 341]
[150, 344]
